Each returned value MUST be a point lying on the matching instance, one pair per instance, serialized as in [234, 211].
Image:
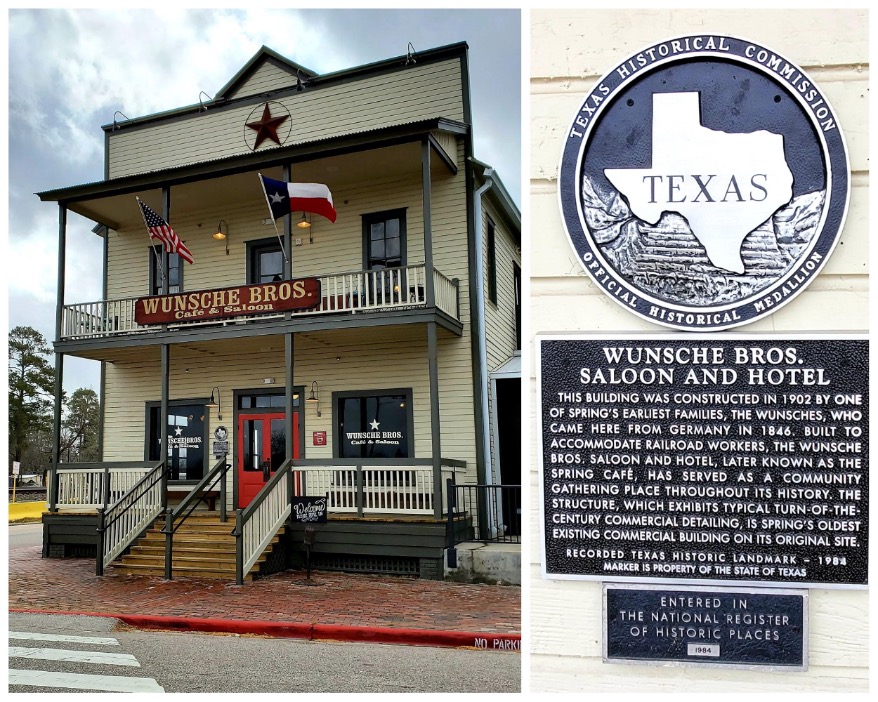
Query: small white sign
[699, 649]
[16, 467]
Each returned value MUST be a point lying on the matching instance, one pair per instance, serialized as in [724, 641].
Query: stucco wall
[570, 50]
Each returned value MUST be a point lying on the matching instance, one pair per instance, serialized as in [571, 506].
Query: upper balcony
[365, 292]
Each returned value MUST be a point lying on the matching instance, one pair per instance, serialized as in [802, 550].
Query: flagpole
[274, 221]
[158, 258]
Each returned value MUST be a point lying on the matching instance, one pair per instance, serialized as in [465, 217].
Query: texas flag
[284, 198]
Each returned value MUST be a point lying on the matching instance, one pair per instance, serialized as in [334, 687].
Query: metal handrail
[244, 516]
[217, 473]
[110, 515]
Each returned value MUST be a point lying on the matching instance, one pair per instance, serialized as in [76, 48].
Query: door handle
[266, 471]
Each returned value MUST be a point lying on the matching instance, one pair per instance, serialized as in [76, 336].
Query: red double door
[262, 447]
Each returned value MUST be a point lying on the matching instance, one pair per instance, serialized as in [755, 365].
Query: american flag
[161, 230]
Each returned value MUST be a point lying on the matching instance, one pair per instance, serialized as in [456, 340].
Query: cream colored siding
[368, 359]
[448, 143]
[570, 50]
[499, 316]
[267, 77]
[336, 248]
[416, 93]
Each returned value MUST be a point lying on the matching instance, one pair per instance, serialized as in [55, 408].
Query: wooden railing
[256, 525]
[394, 486]
[87, 486]
[124, 520]
[352, 292]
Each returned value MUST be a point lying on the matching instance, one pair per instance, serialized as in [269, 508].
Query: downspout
[480, 295]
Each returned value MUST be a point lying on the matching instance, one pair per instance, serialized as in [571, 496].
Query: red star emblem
[266, 128]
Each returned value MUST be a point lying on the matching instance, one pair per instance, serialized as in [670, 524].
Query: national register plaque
[707, 458]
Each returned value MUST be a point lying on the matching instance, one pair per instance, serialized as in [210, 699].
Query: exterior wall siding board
[419, 92]
[266, 78]
[832, 46]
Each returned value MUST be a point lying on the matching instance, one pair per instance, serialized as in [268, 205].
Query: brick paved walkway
[70, 585]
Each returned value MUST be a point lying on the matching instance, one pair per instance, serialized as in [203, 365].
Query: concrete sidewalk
[338, 606]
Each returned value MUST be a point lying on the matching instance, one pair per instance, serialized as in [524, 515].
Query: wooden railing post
[169, 543]
[99, 561]
[239, 546]
[361, 497]
[452, 551]
[53, 489]
[105, 496]
[223, 514]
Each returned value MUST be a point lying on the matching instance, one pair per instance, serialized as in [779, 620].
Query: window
[516, 278]
[175, 272]
[384, 240]
[371, 425]
[265, 262]
[186, 439]
[491, 263]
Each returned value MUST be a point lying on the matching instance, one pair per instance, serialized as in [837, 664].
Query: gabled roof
[261, 57]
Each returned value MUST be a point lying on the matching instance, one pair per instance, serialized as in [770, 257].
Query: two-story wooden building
[374, 393]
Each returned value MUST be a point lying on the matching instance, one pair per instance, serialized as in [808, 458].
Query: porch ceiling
[338, 172]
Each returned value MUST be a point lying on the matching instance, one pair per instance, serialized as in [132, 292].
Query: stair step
[214, 573]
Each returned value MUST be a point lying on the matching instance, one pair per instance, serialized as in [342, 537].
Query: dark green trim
[427, 193]
[435, 432]
[272, 328]
[62, 268]
[465, 89]
[289, 391]
[165, 404]
[316, 82]
[103, 402]
[372, 392]
[473, 240]
[242, 163]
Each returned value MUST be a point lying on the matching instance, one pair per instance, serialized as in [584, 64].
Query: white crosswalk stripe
[70, 680]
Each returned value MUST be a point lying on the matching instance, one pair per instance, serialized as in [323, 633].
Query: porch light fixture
[303, 223]
[215, 402]
[221, 235]
[314, 396]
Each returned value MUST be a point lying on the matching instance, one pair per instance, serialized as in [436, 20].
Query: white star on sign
[178, 431]
[374, 425]
[276, 198]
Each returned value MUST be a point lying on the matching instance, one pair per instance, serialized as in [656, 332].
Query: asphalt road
[23, 535]
[191, 662]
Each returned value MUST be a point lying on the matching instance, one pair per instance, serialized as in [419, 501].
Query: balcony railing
[401, 486]
[341, 293]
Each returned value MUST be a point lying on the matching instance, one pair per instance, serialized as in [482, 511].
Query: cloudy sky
[70, 71]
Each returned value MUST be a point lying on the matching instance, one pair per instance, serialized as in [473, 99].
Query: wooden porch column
[288, 235]
[288, 403]
[435, 436]
[163, 420]
[426, 187]
[166, 215]
[59, 357]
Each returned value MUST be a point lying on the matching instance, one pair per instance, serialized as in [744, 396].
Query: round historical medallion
[704, 182]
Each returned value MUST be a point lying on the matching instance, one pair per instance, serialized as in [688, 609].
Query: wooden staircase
[203, 548]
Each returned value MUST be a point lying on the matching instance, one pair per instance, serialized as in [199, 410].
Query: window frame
[491, 261]
[254, 248]
[154, 270]
[379, 392]
[157, 404]
[372, 218]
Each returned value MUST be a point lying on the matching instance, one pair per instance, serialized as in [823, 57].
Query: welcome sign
[704, 182]
[299, 294]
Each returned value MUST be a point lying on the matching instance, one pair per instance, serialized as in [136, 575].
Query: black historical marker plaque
[720, 627]
[720, 458]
